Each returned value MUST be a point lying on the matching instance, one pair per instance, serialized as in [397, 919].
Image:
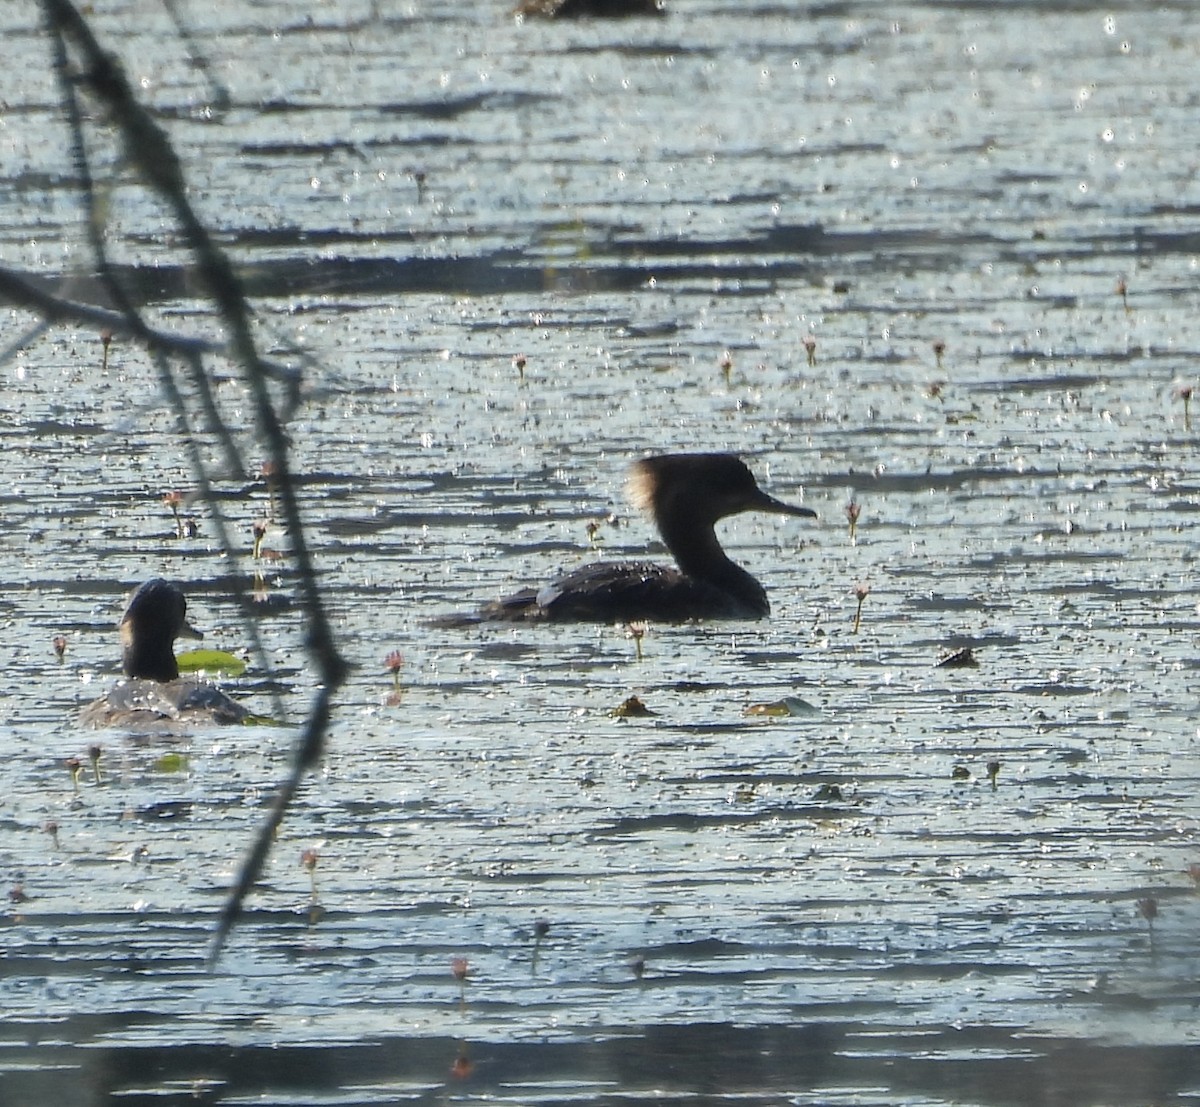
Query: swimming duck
[685, 495]
[153, 693]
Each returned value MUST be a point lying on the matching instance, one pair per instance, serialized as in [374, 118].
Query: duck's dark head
[155, 617]
[701, 489]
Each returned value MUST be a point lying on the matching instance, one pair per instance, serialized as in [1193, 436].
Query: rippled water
[836, 907]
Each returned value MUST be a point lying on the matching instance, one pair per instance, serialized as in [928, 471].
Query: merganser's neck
[148, 653]
[699, 556]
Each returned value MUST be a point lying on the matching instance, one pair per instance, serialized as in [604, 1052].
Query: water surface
[835, 907]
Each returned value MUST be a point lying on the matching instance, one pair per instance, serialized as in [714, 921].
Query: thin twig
[307, 752]
[21, 292]
[216, 88]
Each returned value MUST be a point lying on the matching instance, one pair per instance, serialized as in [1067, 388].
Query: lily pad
[172, 763]
[788, 706]
[630, 709]
[211, 661]
[960, 659]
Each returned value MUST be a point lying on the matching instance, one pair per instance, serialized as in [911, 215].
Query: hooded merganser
[153, 693]
[686, 495]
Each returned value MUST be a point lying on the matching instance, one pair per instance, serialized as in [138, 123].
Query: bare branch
[150, 152]
[23, 293]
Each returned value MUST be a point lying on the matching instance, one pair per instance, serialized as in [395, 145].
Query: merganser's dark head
[155, 617]
[677, 489]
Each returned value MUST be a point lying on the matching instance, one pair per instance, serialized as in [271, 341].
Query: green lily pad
[789, 705]
[211, 661]
[773, 709]
[172, 763]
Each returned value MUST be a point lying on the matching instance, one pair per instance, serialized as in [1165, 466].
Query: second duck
[153, 695]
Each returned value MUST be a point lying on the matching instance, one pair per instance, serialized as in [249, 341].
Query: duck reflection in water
[153, 694]
[686, 495]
